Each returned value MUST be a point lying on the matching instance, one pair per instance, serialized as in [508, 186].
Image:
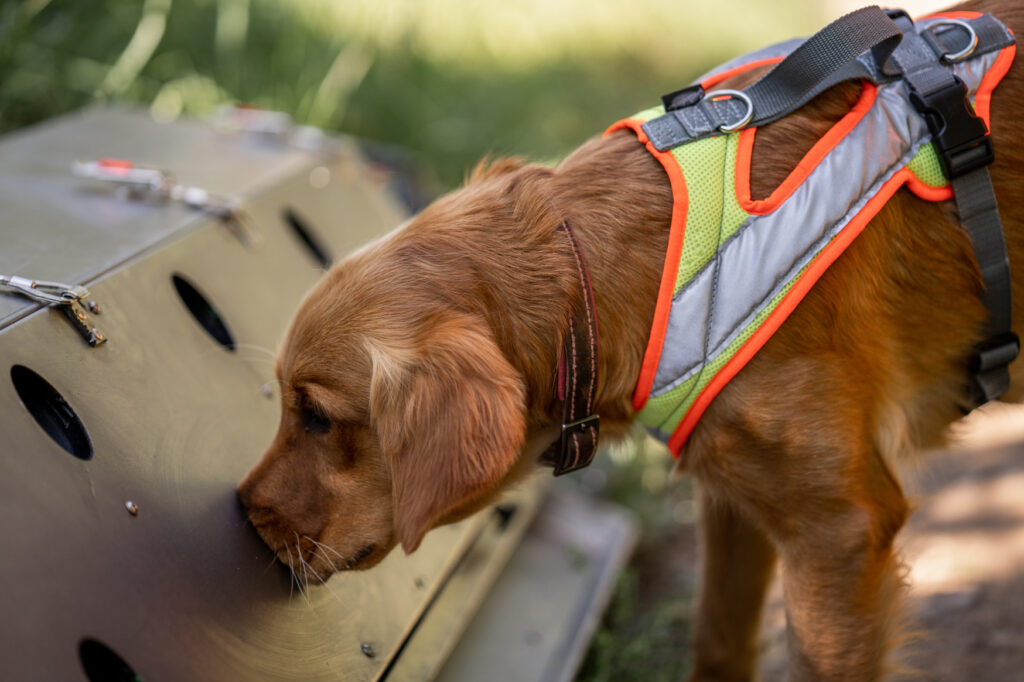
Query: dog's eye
[314, 421]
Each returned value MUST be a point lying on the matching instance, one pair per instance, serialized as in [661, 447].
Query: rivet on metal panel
[368, 650]
[94, 307]
[132, 508]
[267, 390]
[504, 513]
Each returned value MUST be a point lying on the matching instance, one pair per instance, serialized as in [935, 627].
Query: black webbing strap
[962, 142]
[855, 46]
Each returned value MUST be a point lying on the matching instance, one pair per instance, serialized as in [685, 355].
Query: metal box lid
[129, 538]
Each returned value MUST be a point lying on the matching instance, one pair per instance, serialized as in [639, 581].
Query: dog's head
[399, 413]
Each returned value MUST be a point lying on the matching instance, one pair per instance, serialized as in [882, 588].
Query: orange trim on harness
[680, 204]
[808, 163]
[677, 229]
[786, 306]
[832, 252]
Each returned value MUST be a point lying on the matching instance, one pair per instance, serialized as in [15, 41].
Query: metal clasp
[964, 52]
[141, 182]
[68, 298]
[733, 94]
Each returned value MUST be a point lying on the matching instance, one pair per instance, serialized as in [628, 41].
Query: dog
[417, 381]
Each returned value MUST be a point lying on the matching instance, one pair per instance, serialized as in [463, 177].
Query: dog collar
[577, 378]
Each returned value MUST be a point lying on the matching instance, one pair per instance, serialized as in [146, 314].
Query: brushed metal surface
[183, 589]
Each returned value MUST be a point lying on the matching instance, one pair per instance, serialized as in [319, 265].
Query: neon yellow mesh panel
[713, 215]
[926, 167]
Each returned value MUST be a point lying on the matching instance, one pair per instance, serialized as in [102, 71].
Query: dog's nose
[245, 492]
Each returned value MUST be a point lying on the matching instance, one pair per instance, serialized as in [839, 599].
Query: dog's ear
[451, 423]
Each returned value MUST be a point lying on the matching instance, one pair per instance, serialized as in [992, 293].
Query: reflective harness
[736, 267]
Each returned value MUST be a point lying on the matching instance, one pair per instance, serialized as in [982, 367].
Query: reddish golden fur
[431, 352]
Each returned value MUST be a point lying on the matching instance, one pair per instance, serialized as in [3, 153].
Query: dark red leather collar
[577, 379]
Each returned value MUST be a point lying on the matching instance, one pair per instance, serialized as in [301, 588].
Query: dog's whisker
[304, 583]
[309, 567]
[328, 548]
[326, 558]
[291, 570]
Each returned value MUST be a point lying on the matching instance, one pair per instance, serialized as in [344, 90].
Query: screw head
[132, 508]
[368, 650]
[94, 307]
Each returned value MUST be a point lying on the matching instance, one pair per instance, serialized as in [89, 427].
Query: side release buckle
[960, 136]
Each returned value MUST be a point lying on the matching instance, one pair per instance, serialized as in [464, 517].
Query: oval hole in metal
[51, 412]
[309, 239]
[102, 664]
[206, 315]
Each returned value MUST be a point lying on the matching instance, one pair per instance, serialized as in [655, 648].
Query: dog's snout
[245, 493]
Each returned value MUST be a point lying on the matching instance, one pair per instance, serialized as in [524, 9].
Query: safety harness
[736, 267]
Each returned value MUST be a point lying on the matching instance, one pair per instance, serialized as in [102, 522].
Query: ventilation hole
[51, 412]
[305, 233]
[101, 664]
[206, 315]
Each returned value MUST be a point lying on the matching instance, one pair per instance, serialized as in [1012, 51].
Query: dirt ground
[963, 545]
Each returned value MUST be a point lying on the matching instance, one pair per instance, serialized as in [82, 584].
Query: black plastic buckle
[567, 462]
[680, 99]
[960, 136]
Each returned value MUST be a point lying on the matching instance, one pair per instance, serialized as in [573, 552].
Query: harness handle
[810, 68]
[854, 46]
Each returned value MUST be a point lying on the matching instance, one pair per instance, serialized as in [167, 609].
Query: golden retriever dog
[418, 381]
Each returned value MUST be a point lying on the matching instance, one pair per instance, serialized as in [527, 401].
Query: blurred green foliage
[450, 80]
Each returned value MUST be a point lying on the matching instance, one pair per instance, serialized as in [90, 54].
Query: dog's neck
[618, 201]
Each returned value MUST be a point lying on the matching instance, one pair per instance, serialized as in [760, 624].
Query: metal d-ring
[731, 128]
[972, 43]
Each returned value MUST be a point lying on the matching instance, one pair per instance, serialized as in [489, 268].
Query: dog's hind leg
[738, 561]
[840, 576]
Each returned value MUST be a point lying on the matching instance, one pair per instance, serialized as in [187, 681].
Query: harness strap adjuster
[575, 458]
[996, 352]
[960, 135]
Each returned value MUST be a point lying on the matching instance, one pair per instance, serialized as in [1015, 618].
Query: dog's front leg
[738, 562]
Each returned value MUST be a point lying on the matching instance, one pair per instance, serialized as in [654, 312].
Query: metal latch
[67, 298]
[136, 182]
[274, 125]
